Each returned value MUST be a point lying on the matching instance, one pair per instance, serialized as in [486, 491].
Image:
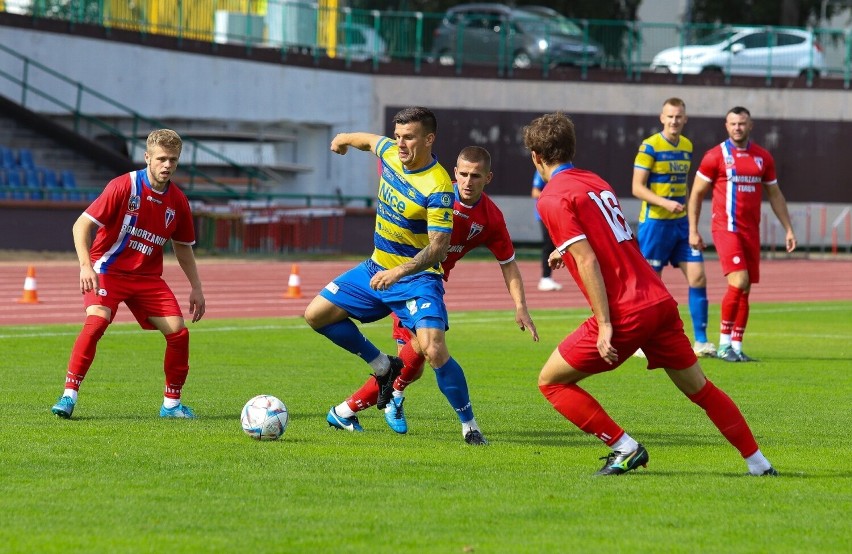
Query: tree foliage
[798, 13]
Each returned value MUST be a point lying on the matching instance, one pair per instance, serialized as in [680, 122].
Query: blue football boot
[395, 416]
[64, 407]
[350, 424]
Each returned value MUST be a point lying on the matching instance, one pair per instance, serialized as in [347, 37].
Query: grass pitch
[116, 478]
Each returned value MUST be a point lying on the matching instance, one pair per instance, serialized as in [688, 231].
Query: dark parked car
[522, 37]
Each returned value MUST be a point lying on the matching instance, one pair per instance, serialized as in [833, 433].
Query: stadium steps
[51, 154]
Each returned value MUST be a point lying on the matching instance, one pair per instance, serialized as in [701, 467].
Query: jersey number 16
[608, 205]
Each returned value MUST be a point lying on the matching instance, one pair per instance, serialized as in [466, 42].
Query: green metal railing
[319, 29]
[78, 102]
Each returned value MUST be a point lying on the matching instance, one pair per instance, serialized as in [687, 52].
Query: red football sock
[726, 417]
[83, 353]
[741, 320]
[730, 309]
[364, 397]
[413, 368]
[581, 409]
[368, 394]
[176, 362]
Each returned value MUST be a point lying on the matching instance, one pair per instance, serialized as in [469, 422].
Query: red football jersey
[578, 205]
[134, 222]
[480, 224]
[736, 175]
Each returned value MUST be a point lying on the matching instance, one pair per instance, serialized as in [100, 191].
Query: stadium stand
[7, 158]
[25, 158]
[33, 184]
[16, 186]
[52, 189]
[22, 179]
[69, 183]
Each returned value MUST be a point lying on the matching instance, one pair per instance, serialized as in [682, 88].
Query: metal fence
[325, 30]
[253, 228]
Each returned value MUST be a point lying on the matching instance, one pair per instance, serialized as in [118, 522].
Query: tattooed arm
[433, 254]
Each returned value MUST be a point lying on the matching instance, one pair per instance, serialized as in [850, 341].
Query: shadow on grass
[768, 360]
[669, 473]
[567, 438]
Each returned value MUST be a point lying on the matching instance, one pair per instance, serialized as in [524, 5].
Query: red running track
[251, 289]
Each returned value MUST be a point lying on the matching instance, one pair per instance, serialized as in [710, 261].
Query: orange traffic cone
[294, 284]
[30, 289]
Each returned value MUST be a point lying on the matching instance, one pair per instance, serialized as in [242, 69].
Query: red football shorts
[400, 334]
[657, 330]
[739, 252]
[145, 296]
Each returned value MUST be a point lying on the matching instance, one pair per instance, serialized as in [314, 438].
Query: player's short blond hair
[674, 101]
[165, 139]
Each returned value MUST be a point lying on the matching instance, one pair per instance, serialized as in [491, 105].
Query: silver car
[746, 51]
[523, 37]
[359, 42]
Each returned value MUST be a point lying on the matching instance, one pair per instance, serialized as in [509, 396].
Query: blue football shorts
[418, 300]
[666, 242]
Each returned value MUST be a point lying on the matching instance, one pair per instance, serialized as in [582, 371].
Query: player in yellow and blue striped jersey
[414, 222]
[660, 173]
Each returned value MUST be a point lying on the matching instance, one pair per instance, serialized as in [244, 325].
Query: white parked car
[756, 51]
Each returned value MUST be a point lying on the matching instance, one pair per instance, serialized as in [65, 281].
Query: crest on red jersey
[170, 216]
[133, 203]
[475, 229]
[759, 161]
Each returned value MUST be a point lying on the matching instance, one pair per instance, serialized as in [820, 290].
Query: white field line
[297, 323]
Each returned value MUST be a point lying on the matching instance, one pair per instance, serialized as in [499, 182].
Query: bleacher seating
[14, 182]
[25, 159]
[22, 179]
[69, 183]
[66, 177]
[52, 189]
[33, 184]
[7, 158]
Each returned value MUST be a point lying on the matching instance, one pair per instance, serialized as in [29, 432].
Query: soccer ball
[264, 418]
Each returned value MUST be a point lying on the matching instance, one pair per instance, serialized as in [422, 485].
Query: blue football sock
[453, 384]
[346, 335]
[698, 311]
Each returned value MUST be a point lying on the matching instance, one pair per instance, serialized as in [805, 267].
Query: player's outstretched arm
[362, 141]
[186, 258]
[515, 284]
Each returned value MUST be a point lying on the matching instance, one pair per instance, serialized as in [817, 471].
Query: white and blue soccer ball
[264, 418]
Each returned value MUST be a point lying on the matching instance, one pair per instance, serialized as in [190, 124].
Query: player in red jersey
[738, 171]
[630, 304]
[477, 221]
[135, 216]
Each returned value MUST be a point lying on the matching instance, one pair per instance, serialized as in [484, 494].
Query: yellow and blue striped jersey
[411, 203]
[669, 167]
